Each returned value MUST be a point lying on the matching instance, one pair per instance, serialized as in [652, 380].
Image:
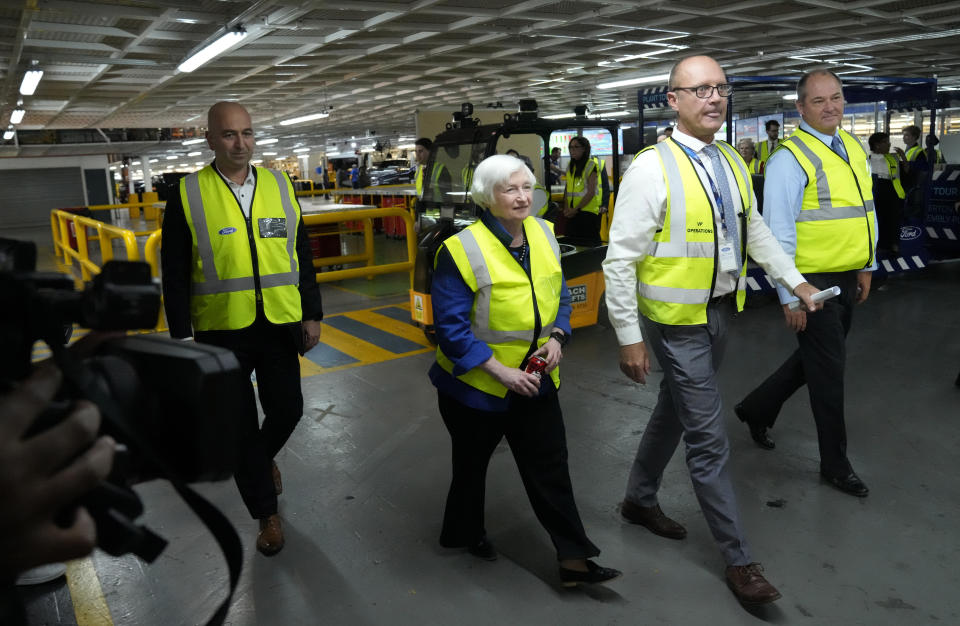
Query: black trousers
[584, 226]
[889, 208]
[270, 351]
[534, 429]
[818, 363]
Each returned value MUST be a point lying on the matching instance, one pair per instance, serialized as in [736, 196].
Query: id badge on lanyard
[727, 255]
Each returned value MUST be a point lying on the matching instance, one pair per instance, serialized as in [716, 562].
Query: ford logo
[227, 231]
[909, 232]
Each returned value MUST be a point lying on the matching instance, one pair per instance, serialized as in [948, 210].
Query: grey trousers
[689, 406]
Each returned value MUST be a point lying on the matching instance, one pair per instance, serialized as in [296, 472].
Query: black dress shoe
[483, 550]
[653, 519]
[757, 432]
[850, 484]
[595, 574]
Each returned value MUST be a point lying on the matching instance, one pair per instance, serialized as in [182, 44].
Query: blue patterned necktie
[729, 210]
[837, 146]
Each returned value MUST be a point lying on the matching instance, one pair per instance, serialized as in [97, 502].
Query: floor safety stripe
[346, 340]
[89, 605]
[363, 337]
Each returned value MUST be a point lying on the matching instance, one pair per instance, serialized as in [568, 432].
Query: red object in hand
[535, 366]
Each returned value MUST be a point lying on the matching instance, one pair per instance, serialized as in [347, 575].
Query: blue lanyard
[713, 186]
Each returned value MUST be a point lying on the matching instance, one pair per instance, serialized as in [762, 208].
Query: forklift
[446, 208]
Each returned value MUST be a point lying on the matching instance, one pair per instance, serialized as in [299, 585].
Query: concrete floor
[367, 470]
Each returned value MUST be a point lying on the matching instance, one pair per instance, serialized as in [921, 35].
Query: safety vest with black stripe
[764, 153]
[503, 314]
[835, 227]
[577, 187]
[676, 278]
[913, 152]
[894, 166]
[227, 247]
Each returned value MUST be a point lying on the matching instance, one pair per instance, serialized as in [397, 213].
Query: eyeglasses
[705, 91]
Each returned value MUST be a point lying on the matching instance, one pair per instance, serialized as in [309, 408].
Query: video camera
[171, 405]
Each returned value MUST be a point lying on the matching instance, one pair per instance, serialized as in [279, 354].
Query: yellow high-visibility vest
[764, 152]
[676, 278]
[913, 152]
[835, 228]
[434, 178]
[577, 187]
[224, 289]
[894, 166]
[503, 314]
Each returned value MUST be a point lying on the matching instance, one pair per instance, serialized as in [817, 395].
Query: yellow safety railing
[151, 254]
[63, 224]
[370, 269]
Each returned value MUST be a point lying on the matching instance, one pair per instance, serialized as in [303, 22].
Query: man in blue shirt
[789, 206]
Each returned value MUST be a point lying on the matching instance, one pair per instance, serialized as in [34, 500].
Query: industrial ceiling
[371, 65]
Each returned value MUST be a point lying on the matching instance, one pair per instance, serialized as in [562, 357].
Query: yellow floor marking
[89, 605]
[354, 346]
[390, 325]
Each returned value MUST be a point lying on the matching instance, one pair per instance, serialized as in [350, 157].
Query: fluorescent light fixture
[257, 161]
[269, 140]
[172, 157]
[197, 153]
[17, 116]
[190, 142]
[135, 163]
[269, 154]
[154, 160]
[304, 118]
[301, 149]
[205, 54]
[559, 116]
[30, 81]
[790, 96]
[113, 168]
[199, 163]
[353, 144]
[643, 80]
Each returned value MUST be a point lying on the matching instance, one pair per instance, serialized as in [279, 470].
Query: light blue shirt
[785, 181]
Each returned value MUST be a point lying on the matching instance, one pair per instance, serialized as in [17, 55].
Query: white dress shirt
[639, 212]
[242, 192]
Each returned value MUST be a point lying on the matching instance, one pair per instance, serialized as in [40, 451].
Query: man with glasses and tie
[684, 222]
[818, 202]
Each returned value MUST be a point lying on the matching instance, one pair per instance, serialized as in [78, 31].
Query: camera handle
[117, 504]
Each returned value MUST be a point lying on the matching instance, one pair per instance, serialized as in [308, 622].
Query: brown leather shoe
[270, 538]
[748, 584]
[653, 518]
[277, 481]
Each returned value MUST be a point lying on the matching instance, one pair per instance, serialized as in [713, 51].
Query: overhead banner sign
[652, 98]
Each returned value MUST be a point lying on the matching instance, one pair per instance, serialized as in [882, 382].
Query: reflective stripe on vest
[835, 227]
[676, 277]
[577, 188]
[913, 153]
[223, 295]
[893, 165]
[541, 200]
[503, 295]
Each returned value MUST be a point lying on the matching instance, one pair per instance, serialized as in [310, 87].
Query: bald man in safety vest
[238, 273]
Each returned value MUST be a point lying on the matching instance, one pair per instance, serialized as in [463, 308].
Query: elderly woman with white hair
[499, 299]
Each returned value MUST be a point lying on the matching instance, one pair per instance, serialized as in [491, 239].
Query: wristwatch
[561, 337]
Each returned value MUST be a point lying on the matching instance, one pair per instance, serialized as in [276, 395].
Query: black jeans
[271, 351]
[819, 363]
[534, 429]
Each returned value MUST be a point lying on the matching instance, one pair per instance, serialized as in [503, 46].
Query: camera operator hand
[43, 476]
